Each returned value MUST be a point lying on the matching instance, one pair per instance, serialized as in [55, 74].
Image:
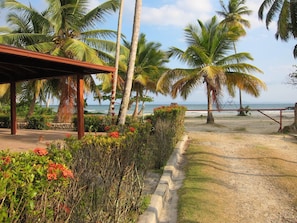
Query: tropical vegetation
[232, 17]
[67, 29]
[149, 66]
[210, 60]
[99, 178]
[132, 57]
[286, 13]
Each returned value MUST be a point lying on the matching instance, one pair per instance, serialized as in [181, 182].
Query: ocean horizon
[149, 108]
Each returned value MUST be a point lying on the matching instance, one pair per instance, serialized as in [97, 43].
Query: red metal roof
[20, 65]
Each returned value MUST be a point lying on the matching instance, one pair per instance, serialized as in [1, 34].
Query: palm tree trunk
[142, 109]
[241, 112]
[132, 57]
[135, 113]
[295, 113]
[66, 105]
[32, 105]
[117, 57]
[210, 118]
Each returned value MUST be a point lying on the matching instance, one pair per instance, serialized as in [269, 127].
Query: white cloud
[179, 14]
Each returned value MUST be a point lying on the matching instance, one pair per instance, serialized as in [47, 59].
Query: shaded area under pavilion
[18, 65]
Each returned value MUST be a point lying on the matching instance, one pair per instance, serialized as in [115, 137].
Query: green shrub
[95, 123]
[33, 187]
[38, 122]
[110, 169]
[4, 109]
[4, 121]
[168, 122]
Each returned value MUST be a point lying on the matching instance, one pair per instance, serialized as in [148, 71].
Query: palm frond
[3, 89]
[274, 9]
[283, 30]
[249, 83]
[98, 14]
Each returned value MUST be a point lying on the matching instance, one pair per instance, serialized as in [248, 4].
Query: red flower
[106, 128]
[40, 151]
[52, 176]
[64, 208]
[55, 169]
[67, 173]
[6, 160]
[132, 129]
[114, 134]
[6, 175]
[68, 135]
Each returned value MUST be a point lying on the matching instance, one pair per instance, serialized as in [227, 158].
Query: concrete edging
[159, 198]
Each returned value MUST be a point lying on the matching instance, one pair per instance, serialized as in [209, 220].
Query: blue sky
[164, 20]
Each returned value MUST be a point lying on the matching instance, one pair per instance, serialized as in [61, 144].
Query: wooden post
[295, 113]
[13, 121]
[80, 107]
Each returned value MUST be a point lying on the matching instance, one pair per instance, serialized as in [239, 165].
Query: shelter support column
[80, 106]
[13, 121]
[295, 114]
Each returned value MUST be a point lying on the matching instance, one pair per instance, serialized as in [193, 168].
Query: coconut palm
[117, 59]
[286, 21]
[232, 15]
[67, 29]
[149, 65]
[209, 60]
[130, 73]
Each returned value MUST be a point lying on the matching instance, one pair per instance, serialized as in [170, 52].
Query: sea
[200, 109]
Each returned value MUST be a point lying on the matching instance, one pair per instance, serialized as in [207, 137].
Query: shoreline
[272, 113]
[27, 139]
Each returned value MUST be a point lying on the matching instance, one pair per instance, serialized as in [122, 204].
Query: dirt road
[252, 172]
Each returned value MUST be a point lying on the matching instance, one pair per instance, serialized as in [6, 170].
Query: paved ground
[29, 139]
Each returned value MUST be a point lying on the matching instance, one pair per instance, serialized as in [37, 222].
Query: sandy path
[242, 152]
[253, 193]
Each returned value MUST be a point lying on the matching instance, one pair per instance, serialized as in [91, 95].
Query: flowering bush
[33, 186]
[40, 151]
[95, 123]
[168, 122]
[96, 179]
[109, 170]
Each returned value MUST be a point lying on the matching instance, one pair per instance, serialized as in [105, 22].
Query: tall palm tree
[208, 57]
[286, 21]
[130, 73]
[232, 15]
[117, 59]
[149, 65]
[69, 30]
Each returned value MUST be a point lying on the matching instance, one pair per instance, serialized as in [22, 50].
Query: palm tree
[209, 62]
[33, 90]
[149, 65]
[130, 73]
[67, 29]
[232, 15]
[287, 18]
[117, 58]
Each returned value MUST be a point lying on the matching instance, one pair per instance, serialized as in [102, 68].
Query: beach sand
[256, 192]
[28, 139]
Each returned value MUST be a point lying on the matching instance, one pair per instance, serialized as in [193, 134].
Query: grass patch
[202, 195]
[241, 129]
